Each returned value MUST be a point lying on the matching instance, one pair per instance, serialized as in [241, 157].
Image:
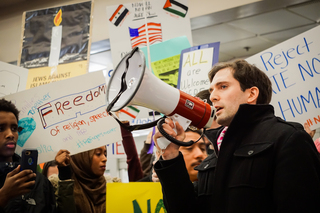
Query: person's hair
[198, 131]
[248, 76]
[8, 106]
[46, 167]
[204, 95]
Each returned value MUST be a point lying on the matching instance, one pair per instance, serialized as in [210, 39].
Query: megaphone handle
[163, 142]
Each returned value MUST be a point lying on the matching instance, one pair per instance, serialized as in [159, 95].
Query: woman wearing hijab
[86, 169]
[89, 182]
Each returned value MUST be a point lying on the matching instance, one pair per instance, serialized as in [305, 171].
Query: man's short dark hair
[195, 130]
[8, 106]
[248, 76]
[204, 95]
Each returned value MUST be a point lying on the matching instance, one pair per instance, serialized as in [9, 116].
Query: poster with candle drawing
[294, 70]
[69, 114]
[56, 42]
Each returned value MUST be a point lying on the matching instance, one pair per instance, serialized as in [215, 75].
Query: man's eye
[14, 128]
[223, 86]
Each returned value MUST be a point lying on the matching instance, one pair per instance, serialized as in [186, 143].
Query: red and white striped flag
[139, 35]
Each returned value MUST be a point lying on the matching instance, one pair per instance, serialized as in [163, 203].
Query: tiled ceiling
[242, 31]
[246, 36]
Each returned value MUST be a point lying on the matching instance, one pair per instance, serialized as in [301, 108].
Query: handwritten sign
[116, 150]
[129, 22]
[68, 114]
[167, 69]
[195, 63]
[294, 70]
[135, 198]
[12, 79]
[45, 75]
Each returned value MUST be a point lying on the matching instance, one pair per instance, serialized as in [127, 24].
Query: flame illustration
[58, 18]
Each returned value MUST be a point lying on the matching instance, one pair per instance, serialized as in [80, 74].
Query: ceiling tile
[237, 48]
[271, 22]
[225, 57]
[287, 34]
[223, 33]
[311, 11]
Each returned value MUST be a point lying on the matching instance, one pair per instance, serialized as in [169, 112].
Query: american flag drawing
[139, 37]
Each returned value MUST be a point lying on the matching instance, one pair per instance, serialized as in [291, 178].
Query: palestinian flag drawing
[119, 15]
[175, 7]
[130, 111]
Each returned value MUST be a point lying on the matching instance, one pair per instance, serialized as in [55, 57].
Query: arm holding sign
[134, 166]
[64, 194]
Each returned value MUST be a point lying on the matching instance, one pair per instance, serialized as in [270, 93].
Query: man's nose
[9, 134]
[198, 153]
[213, 96]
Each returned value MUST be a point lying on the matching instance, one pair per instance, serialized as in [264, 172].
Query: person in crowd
[18, 192]
[50, 168]
[86, 169]
[135, 172]
[309, 131]
[264, 163]
[146, 160]
[213, 131]
[193, 155]
[312, 133]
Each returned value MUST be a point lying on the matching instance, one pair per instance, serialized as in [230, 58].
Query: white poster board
[195, 63]
[68, 114]
[126, 22]
[294, 70]
[12, 79]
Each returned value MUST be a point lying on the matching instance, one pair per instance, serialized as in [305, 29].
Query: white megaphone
[133, 84]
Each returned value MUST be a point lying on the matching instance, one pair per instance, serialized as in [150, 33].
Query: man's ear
[253, 95]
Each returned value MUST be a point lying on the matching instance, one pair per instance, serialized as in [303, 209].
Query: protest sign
[135, 198]
[294, 70]
[116, 150]
[195, 63]
[129, 23]
[68, 114]
[12, 79]
[56, 42]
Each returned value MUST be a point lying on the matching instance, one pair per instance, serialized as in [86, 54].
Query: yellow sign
[138, 197]
[45, 75]
[167, 69]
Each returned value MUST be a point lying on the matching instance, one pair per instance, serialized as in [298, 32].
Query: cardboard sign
[68, 114]
[12, 79]
[135, 198]
[195, 63]
[56, 42]
[294, 70]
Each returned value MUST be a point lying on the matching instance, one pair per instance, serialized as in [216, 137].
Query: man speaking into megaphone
[262, 163]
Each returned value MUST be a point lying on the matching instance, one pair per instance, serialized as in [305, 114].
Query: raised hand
[62, 158]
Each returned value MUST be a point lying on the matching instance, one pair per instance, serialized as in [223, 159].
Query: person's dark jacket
[265, 165]
[40, 199]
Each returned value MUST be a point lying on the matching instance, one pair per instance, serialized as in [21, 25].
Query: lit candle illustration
[56, 37]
